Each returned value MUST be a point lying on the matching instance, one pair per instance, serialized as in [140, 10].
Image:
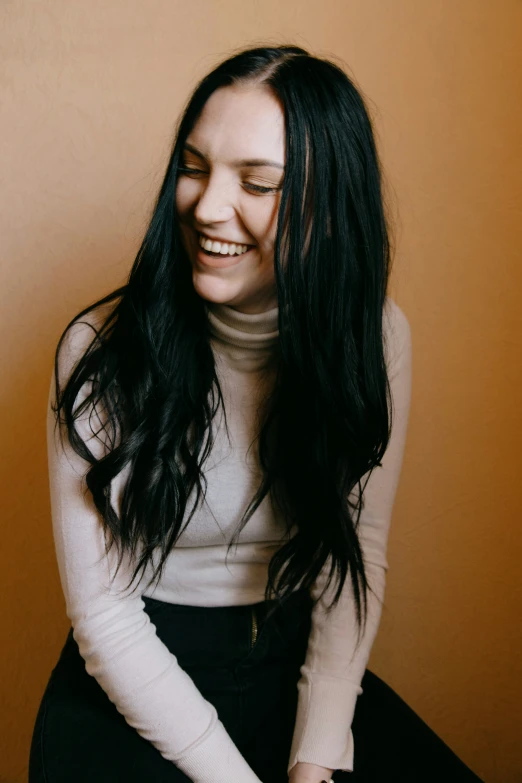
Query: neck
[249, 340]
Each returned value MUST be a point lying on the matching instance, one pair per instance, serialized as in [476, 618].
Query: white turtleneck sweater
[116, 637]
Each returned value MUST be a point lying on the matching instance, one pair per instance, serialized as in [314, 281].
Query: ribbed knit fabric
[115, 635]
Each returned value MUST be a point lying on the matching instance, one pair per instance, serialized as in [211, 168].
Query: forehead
[240, 122]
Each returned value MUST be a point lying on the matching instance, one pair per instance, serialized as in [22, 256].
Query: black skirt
[246, 661]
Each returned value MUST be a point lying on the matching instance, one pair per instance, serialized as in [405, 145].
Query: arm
[332, 672]
[115, 635]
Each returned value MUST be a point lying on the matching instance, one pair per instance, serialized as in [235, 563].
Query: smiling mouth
[203, 240]
[222, 255]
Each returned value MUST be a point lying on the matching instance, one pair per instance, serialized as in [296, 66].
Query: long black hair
[326, 424]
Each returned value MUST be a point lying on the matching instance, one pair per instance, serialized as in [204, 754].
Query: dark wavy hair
[326, 423]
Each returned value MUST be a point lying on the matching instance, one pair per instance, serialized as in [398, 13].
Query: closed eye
[257, 188]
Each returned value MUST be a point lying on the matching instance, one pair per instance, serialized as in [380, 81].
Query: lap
[80, 735]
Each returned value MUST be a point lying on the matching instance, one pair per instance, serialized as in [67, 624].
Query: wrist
[303, 772]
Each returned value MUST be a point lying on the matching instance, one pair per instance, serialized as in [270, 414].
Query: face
[228, 191]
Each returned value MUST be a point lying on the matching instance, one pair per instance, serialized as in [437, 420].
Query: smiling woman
[247, 389]
[228, 192]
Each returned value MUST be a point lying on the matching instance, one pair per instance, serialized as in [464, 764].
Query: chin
[216, 291]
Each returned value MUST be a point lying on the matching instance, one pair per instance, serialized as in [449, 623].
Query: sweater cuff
[322, 733]
[216, 759]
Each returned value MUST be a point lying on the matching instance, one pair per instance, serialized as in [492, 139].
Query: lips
[223, 241]
[220, 262]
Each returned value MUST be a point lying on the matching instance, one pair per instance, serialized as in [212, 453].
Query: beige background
[90, 93]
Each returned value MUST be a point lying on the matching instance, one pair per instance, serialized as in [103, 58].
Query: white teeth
[223, 248]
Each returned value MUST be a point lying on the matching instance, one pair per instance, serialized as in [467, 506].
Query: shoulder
[77, 337]
[397, 335]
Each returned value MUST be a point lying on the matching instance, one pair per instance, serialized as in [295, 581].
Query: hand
[309, 773]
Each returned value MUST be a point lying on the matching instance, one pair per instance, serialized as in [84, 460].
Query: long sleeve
[115, 635]
[333, 669]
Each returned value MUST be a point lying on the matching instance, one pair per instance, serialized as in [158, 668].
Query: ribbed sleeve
[333, 669]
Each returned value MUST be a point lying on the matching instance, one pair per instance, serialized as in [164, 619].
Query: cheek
[263, 226]
[178, 201]
[185, 197]
[271, 217]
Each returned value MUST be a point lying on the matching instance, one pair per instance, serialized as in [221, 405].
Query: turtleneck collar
[248, 340]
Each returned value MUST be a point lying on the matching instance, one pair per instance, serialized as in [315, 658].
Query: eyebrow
[240, 163]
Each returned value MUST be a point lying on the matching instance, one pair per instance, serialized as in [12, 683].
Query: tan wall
[90, 94]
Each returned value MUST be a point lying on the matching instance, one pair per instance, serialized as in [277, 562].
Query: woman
[235, 394]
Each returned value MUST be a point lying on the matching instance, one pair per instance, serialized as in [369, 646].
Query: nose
[214, 203]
